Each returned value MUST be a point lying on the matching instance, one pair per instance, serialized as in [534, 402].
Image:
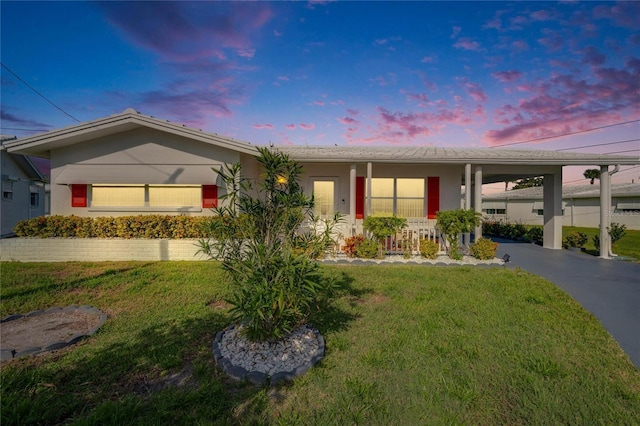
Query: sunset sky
[450, 74]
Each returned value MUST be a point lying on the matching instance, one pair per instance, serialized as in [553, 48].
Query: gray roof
[437, 155]
[40, 145]
[573, 191]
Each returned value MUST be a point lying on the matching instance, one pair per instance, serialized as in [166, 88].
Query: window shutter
[360, 197]
[433, 196]
[78, 195]
[209, 196]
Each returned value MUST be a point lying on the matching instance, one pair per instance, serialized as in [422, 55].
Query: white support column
[552, 199]
[477, 195]
[369, 177]
[467, 196]
[605, 206]
[352, 196]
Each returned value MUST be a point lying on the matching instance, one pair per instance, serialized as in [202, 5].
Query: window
[7, 190]
[174, 195]
[117, 196]
[324, 197]
[495, 211]
[382, 195]
[153, 196]
[410, 197]
[35, 196]
[403, 196]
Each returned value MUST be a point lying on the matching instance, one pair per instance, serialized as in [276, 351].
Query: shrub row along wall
[97, 249]
[141, 226]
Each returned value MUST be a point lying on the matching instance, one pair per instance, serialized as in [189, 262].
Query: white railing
[407, 239]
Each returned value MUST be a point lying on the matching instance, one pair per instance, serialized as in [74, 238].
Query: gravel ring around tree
[42, 331]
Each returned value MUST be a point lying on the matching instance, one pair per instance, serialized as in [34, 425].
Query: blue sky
[452, 74]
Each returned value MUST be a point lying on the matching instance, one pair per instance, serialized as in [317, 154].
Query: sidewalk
[609, 289]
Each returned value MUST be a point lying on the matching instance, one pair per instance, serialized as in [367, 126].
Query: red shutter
[360, 197]
[209, 196]
[78, 195]
[433, 196]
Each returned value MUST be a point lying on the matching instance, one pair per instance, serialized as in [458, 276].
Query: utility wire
[37, 93]
[565, 134]
[598, 144]
[26, 130]
[622, 152]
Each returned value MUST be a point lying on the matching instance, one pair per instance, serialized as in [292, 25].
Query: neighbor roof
[574, 191]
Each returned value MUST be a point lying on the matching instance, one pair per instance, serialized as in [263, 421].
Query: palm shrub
[455, 222]
[265, 249]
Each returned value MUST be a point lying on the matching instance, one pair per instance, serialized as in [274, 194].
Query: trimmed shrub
[534, 234]
[483, 249]
[141, 226]
[368, 249]
[575, 239]
[429, 249]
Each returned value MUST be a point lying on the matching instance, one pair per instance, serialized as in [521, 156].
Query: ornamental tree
[267, 244]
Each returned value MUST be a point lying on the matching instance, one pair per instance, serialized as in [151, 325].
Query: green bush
[575, 239]
[429, 249]
[383, 226]
[483, 249]
[455, 222]
[141, 226]
[615, 231]
[534, 234]
[368, 249]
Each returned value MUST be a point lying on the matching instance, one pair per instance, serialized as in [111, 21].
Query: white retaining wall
[96, 249]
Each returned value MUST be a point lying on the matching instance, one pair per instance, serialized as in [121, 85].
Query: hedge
[141, 226]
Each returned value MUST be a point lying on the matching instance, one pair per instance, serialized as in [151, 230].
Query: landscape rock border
[10, 353]
[239, 373]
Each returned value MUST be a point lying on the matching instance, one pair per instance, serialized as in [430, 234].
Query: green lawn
[405, 345]
[629, 244]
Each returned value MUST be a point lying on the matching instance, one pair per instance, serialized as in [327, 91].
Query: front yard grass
[628, 246]
[405, 345]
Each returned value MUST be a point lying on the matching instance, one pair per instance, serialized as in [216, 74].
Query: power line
[26, 130]
[37, 93]
[598, 144]
[622, 152]
[565, 134]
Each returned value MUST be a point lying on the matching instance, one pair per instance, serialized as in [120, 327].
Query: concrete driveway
[609, 289]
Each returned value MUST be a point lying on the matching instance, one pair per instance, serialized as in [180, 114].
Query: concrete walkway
[609, 289]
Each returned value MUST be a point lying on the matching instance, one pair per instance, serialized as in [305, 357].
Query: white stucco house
[130, 163]
[580, 205]
[23, 189]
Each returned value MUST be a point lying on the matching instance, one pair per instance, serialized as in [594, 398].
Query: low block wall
[96, 249]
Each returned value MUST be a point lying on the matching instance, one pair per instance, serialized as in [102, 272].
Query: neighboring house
[23, 189]
[580, 205]
[131, 163]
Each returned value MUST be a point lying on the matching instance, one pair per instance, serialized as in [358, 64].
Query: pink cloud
[347, 120]
[519, 45]
[428, 59]
[541, 15]
[507, 76]
[455, 32]
[319, 103]
[290, 126]
[353, 111]
[593, 57]
[467, 43]
[624, 14]
[263, 126]
[566, 102]
[476, 92]
[304, 126]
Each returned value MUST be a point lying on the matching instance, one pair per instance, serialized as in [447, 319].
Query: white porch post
[467, 196]
[369, 177]
[352, 197]
[477, 195]
[605, 206]
[552, 202]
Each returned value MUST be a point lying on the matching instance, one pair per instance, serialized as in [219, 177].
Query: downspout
[615, 170]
